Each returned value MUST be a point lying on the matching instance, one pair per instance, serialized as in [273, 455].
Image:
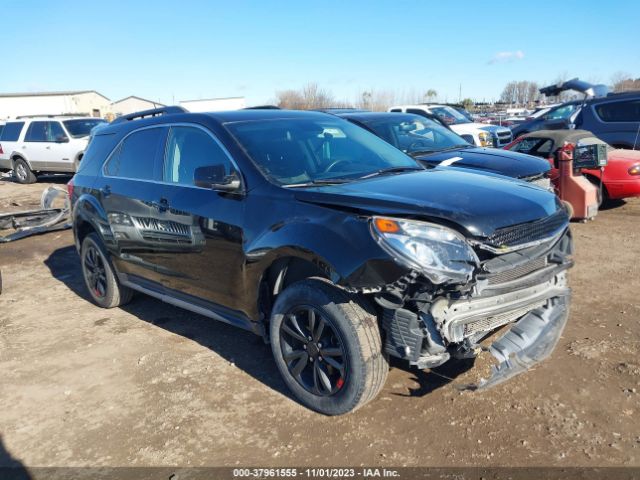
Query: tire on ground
[357, 325]
[22, 172]
[115, 293]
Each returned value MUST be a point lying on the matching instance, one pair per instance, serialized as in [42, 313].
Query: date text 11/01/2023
[315, 473]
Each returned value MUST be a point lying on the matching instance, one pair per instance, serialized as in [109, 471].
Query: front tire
[99, 276]
[326, 344]
[22, 172]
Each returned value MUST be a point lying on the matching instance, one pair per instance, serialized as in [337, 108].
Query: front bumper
[521, 296]
[529, 341]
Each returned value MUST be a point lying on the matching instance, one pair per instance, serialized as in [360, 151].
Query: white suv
[478, 134]
[29, 146]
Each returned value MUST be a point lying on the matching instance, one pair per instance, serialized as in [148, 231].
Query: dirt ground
[150, 384]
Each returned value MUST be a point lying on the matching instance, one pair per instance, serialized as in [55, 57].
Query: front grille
[518, 272]
[525, 233]
[491, 323]
[503, 138]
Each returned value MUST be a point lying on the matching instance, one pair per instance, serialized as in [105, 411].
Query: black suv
[612, 117]
[336, 247]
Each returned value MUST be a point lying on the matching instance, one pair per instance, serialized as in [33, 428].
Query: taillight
[635, 170]
[1, 151]
[70, 189]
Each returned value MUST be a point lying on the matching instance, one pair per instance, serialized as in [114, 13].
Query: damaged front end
[514, 304]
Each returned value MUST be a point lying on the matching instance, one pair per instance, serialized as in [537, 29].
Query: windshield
[81, 127]
[413, 135]
[449, 115]
[296, 151]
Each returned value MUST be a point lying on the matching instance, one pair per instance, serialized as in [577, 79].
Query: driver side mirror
[215, 178]
[62, 139]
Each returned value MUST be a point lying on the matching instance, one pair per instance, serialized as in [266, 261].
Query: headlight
[440, 253]
[635, 170]
[485, 139]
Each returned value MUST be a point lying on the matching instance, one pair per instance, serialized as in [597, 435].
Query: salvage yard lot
[150, 384]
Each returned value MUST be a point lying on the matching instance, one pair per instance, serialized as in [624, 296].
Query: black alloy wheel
[94, 271]
[312, 349]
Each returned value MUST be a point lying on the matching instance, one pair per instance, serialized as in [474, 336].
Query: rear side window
[619, 111]
[189, 148]
[11, 131]
[136, 156]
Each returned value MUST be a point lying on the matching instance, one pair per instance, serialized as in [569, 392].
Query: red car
[621, 178]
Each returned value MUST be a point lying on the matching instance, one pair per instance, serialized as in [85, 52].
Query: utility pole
[460, 94]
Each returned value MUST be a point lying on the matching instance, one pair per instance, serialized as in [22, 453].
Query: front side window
[316, 150]
[11, 131]
[135, 158]
[619, 111]
[55, 132]
[189, 148]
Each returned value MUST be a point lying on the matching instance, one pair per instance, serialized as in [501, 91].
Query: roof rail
[154, 112]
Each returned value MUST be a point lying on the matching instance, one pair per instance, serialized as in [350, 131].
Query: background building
[132, 104]
[214, 104]
[79, 102]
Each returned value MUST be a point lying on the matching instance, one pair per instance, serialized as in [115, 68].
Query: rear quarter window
[98, 150]
[11, 131]
[628, 111]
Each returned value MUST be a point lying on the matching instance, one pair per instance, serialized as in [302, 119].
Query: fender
[349, 256]
[15, 154]
[88, 209]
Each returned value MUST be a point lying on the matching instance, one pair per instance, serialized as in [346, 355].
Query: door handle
[48, 147]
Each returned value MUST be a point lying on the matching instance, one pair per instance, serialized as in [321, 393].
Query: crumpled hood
[503, 162]
[479, 204]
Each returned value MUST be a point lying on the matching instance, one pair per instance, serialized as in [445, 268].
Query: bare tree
[431, 95]
[309, 97]
[623, 82]
[375, 100]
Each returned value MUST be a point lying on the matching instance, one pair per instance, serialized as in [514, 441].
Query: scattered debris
[32, 222]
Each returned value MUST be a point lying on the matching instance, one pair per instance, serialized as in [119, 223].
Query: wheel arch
[89, 216]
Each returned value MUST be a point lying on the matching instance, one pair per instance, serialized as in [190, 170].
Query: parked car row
[612, 117]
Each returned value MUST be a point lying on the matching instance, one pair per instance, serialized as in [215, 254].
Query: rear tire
[99, 275]
[22, 172]
[333, 364]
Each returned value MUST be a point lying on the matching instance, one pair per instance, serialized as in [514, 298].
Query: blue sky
[179, 50]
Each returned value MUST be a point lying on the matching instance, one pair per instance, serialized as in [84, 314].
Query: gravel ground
[150, 384]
